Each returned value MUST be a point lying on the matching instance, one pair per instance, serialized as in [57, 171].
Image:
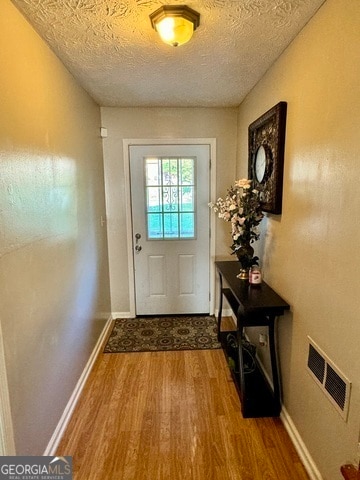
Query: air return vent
[329, 378]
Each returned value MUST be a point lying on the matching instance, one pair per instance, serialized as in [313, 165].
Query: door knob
[137, 246]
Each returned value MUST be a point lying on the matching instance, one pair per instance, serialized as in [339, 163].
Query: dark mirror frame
[269, 130]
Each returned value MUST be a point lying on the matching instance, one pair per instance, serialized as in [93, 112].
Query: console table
[254, 306]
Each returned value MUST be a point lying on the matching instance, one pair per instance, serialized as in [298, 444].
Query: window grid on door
[170, 197]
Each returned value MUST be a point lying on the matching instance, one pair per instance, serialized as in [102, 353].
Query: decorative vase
[245, 255]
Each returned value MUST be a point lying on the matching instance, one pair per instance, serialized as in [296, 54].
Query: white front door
[170, 215]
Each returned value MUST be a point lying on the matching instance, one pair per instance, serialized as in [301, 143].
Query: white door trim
[162, 141]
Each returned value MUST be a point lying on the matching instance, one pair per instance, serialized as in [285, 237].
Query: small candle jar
[255, 276]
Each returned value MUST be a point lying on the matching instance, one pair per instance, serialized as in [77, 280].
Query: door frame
[129, 226]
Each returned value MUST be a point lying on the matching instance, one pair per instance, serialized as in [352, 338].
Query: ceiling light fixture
[175, 24]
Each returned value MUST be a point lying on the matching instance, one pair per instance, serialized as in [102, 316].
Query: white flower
[242, 208]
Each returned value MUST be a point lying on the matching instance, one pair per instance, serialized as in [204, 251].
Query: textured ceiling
[112, 50]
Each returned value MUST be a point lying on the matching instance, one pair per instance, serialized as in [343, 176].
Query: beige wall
[310, 252]
[54, 295]
[149, 123]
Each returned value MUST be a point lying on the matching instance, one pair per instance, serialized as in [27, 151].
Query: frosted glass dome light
[175, 24]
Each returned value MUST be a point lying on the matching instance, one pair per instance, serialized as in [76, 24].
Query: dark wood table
[254, 306]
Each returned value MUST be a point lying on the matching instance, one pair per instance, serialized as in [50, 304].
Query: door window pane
[187, 199]
[154, 201]
[170, 197]
[155, 225]
[186, 225]
[171, 225]
[152, 171]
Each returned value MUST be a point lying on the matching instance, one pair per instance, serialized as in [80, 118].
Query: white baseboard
[121, 315]
[65, 417]
[226, 312]
[300, 446]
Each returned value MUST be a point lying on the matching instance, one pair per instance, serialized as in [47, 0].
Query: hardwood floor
[172, 415]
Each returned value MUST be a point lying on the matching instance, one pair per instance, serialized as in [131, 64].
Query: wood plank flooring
[172, 415]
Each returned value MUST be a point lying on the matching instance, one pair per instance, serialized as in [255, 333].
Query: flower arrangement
[241, 207]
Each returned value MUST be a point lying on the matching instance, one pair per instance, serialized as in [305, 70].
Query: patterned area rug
[150, 334]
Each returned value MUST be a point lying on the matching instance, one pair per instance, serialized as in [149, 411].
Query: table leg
[274, 366]
[240, 334]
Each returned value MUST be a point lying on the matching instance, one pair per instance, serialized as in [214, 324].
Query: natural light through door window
[170, 197]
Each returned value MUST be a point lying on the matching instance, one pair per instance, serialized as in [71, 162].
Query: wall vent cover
[330, 379]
